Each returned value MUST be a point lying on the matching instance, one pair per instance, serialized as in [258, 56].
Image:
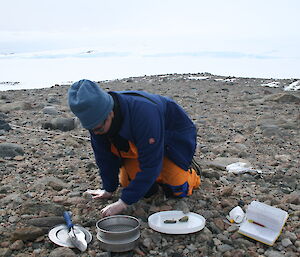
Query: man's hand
[99, 193]
[113, 208]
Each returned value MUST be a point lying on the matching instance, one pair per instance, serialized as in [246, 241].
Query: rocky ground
[47, 164]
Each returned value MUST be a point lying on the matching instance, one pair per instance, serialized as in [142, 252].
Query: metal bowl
[118, 233]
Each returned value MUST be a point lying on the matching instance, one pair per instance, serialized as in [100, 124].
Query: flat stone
[17, 245]
[105, 254]
[5, 252]
[8, 107]
[13, 197]
[269, 130]
[224, 248]
[35, 207]
[27, 233]
[272, 253]
[19, 158]
[62, 252]
[56, 183]
[219, 223]
[46, 221]
[232, 228]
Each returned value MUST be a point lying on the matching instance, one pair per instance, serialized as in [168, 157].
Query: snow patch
[271, 84]
[226, 80]
[293, 86]
[198, 78]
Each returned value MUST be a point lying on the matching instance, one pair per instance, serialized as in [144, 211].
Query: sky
[266, 30]
[251, 26]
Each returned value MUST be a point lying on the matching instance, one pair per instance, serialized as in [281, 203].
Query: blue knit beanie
[89, 103]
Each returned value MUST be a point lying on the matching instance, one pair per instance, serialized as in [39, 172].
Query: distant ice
[42, 69]
[5, 86]
[66, 53]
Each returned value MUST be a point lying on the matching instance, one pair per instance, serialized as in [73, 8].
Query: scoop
[76, 236]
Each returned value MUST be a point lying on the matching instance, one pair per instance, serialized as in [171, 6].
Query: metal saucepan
[119, 233]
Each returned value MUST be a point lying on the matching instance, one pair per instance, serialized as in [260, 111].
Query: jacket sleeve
[107, 163]
[147, 126]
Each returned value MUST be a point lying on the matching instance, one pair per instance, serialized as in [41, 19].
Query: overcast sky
[266, 26]
[136, 37]
[114, 16]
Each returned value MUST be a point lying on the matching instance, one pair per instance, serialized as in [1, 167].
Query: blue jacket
[159, 118]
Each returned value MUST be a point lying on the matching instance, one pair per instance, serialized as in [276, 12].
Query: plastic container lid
[157, 220]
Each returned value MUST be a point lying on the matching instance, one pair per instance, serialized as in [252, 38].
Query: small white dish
[157, 220]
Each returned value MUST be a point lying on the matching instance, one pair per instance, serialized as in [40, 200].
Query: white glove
[113, 208]
[99, 193]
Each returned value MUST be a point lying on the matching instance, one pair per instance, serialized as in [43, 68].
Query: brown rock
[140, 213]
[75, 201]
[225, 203]
[219, 223]
[59, 199]
[235, 235]
[35, 207]
[5, 252]
[46, 221]
[252, 253]
[284, 98]
[154, 209]
[27, 233]
[293, 198]
[239, 139]
[19, 158]
[226, 191]
[237, 253]
[5, 244]
[62, 252]
[165, 208]
[17, 245]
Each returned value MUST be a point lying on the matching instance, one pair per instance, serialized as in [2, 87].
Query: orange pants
[180, 182]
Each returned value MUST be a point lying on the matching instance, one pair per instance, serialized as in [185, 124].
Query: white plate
[59, 235]
[195, 222]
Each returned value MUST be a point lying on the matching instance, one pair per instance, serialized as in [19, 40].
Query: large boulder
[284, 98]
[4, 125]
[63, 124]
[50, 110]
[10, 150]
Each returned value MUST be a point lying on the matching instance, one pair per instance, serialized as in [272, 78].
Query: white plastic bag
[241, 167]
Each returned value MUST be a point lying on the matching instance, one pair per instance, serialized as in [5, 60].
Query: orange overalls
[180, 182]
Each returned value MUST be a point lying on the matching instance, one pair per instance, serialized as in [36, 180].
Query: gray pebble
[224, 248]
[286, 242]
[272, 253]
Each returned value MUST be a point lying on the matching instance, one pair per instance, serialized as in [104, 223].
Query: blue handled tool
[76, 236]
